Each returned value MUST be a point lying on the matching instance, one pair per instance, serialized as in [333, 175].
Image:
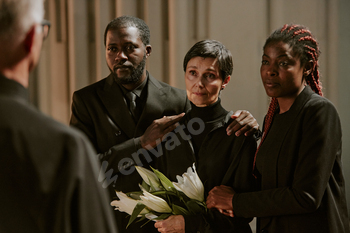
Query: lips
[270, 83]
[123, 67]
[198, 93]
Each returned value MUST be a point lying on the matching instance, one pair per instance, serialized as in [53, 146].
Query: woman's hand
[244, 123]
[173, 224]
[220, 197]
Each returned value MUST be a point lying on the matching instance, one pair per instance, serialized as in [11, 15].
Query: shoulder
[91, 88]
[317, 103]
[28, 121]
[166, 87]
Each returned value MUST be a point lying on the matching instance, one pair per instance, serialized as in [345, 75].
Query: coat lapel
[112, 97]
[155, 105]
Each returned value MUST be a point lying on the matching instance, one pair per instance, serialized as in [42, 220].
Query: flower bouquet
[159, 197]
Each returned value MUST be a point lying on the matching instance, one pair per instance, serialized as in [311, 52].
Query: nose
[200, 82]
[120, 56]
[271, 71]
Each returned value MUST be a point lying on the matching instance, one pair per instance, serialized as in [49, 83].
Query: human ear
[148, 50]
[29, 39]
[308, 68]
[225, 82]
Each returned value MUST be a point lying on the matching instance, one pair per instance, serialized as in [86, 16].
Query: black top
[211, 115]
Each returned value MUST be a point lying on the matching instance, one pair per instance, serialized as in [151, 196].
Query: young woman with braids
[298, 163]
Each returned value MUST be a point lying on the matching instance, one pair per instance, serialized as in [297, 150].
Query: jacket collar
[12, 89]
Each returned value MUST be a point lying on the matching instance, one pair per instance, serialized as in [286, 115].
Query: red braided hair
[304, 44]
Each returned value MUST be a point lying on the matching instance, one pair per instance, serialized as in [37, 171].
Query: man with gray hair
[48, 171]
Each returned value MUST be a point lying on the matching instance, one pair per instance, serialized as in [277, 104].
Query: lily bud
[126, 204]
[149, 177]
[155, 203]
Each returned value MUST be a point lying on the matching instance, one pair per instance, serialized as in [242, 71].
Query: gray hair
[18, 16]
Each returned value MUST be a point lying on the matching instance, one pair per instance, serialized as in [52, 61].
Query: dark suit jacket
[100, 112]
[48, 172]
[302, 181]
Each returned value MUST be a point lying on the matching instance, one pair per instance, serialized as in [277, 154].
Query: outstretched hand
[220, 197]
[160, 127]
[173, 224]
[244, 123]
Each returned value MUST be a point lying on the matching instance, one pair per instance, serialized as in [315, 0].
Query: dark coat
[302, 181]
[100, 112]
[48, 172]
[221, 160]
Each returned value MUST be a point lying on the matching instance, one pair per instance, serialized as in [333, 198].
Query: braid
[267, 124]
[291, 28]
[301, 31]
[284, 27]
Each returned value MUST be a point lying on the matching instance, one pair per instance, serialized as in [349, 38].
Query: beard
[135, 76]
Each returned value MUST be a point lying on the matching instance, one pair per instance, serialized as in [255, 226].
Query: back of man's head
[17, 17]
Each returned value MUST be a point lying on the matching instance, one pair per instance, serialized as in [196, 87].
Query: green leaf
[161, 193]
[137, 210]
[167, 184]
[143, 217]
[178, 210]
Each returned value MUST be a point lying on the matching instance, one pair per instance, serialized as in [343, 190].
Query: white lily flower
[190, 184]
[155, 203]
[126, 204]
[148, 176]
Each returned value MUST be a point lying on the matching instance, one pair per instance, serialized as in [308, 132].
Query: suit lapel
[155, 105]
[112, 97]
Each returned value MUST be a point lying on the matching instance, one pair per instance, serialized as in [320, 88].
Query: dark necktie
[132, 104]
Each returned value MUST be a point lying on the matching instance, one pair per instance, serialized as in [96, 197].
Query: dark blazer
[100, 112]
[48, 172]
[302, 182]
[221, 160]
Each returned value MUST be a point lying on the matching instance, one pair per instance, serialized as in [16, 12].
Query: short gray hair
[18, 16]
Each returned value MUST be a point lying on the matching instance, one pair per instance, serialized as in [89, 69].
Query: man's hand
[158, 129]
[244, 123]
[173, 224]
[220, 197]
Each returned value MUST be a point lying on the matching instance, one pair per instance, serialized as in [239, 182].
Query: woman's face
[281, 71]
[203, 81]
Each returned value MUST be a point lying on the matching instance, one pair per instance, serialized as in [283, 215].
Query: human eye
[283, 63]
[210, 76]
[112, 49]
[192, 72]
[264, 62]
[130, 47]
